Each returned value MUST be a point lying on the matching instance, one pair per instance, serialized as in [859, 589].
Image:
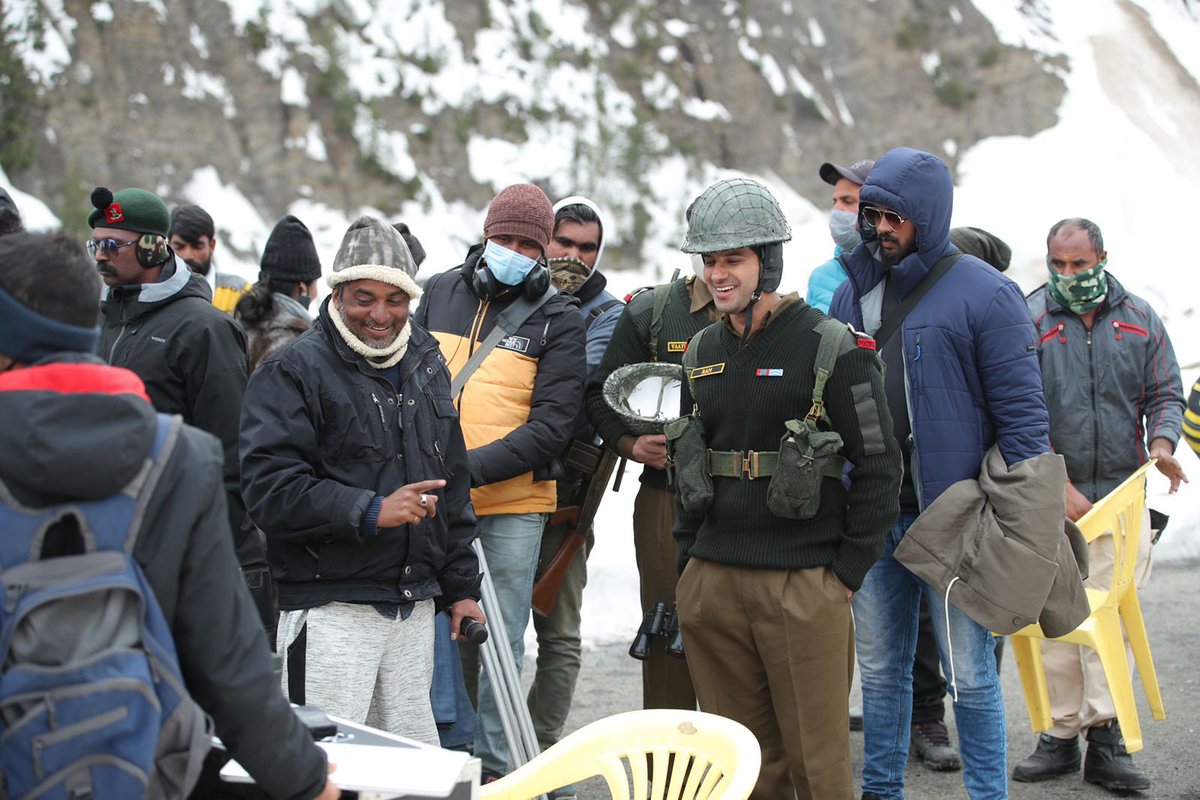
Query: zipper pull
[382, 418]
[437, 448]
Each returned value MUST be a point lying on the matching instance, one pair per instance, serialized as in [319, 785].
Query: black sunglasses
[872, 215]
[94, 246]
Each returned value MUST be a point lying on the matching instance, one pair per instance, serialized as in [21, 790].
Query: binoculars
[658, 622]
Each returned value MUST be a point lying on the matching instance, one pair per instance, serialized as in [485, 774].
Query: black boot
[1052, 757]
[1108, 763]
[931, 743]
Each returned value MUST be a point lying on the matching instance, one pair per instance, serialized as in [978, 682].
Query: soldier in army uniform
[655, 326]
[772, 541]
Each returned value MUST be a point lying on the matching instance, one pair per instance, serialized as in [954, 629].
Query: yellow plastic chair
[1120, 512]
[656, 754]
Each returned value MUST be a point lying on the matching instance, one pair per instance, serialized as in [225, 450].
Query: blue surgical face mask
[507, 266]
[842, 229]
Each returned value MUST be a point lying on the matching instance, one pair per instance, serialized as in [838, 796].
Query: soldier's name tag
[676, 347]
[704, 372]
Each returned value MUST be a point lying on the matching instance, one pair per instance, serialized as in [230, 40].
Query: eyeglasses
[94, 246]
[872, 215]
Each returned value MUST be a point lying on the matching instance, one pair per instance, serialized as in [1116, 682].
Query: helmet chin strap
[748, 316]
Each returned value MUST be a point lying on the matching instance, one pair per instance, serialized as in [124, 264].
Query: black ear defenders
[151, 250]
[486, 287]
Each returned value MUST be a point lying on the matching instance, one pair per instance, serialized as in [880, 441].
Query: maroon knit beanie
[520, 210]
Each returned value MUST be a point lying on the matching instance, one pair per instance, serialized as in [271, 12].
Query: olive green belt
[753, 464]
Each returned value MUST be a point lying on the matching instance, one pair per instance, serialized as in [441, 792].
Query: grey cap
[374, 250]
[644, 395]
[855, 173]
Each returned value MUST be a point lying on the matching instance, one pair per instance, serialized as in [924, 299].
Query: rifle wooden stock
[545, 589]
[578, 519]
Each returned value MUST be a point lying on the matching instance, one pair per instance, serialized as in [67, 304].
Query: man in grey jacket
[1107, 366]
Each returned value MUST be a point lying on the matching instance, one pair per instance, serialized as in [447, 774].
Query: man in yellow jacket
[517, 407]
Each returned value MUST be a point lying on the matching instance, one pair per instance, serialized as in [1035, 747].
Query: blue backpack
[92, 703]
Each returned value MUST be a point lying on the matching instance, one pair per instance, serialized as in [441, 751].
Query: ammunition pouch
[687, 463]
[807, 455]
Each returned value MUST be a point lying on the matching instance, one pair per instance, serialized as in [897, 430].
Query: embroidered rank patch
[114, 213]
[676, 347]
[704, 372]
[768, 373]
[517, 343]
[865, 342]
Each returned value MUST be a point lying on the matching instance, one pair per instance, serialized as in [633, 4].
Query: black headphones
[486, 287]
[152, 250]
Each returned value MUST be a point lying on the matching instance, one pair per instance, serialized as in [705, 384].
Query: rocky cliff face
[374, 103]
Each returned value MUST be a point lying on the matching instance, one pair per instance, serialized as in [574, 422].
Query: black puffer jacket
[84, 436]
[322, 434]
[192, 358]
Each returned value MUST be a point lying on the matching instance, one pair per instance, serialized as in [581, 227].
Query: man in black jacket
[353, 464]
[85, 431]
[769, 563]
[160, 323]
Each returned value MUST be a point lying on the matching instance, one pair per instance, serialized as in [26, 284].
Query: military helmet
[644, 395]
[734, 213]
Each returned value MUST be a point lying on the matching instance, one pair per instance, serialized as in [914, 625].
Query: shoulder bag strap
[889, 325]
[508, 323]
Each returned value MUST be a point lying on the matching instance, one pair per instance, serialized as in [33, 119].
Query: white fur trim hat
[375, 251]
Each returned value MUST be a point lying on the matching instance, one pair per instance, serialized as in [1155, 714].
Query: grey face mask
[842, 229]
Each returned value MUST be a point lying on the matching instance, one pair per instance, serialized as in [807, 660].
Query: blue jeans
[511, 543]
[885, 621]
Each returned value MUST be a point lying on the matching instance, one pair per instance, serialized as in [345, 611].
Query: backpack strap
[832, 333]
[166, 435]
[508, 323]
[599, 310]
[690, 356]
[662, 293]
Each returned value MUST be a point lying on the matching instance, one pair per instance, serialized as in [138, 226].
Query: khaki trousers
[666, 682]
[1079, 696]
[774, 650]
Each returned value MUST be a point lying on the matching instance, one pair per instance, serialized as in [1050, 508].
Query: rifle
[579, 518]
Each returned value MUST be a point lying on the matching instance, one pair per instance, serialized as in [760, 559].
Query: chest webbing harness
[752, 464]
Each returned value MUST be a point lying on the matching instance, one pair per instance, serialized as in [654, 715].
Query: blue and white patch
[518, 344]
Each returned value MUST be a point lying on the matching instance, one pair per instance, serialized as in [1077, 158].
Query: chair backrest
[654, 754]
[1120, 513]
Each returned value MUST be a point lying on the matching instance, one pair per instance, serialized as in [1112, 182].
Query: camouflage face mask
[568, 274]
[1081, 292]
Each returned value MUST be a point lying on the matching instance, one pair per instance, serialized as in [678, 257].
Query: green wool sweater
[744, 407]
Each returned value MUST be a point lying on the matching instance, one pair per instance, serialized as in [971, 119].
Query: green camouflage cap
[734, 213]
[644, 395]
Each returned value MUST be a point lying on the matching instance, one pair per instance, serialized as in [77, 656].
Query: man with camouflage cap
[353, 464]
[771, 542]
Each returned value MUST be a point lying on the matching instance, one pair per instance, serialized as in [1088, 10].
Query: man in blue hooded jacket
[963, 375]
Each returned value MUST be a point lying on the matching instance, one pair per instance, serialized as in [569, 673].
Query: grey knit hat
[374, 250]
